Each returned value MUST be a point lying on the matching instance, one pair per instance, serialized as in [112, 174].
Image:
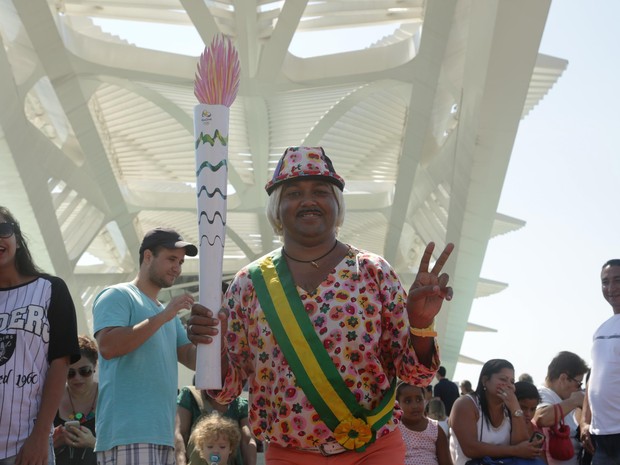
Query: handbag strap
[204, 406]
[483, 418]
[558, 416]
[561, 412]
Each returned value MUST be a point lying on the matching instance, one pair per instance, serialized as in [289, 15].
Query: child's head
[216, 435]
[528, 397]
[436, 410]
[411, 401]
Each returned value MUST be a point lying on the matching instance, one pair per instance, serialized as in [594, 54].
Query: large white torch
[215, 87]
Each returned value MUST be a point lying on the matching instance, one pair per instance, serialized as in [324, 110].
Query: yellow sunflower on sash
[353, 433]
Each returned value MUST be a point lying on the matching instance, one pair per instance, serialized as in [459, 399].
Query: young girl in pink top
[425, 440]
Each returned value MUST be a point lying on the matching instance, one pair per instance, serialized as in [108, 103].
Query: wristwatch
[518, 413]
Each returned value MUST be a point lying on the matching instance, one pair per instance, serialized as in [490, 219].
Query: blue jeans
[607, 449]
[50, 456]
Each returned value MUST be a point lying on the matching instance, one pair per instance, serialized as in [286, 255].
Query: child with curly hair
[216, 437]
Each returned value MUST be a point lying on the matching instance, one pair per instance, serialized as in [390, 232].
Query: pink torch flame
[217, 76]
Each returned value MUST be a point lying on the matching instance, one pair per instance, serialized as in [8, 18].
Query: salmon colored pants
[390, 449]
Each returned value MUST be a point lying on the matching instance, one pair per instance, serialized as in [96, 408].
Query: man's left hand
[429, 289]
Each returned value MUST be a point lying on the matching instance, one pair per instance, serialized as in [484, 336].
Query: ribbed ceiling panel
[145, 142]
[366, 140]
[365, 231]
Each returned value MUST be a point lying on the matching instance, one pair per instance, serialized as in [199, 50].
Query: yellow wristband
[429, 331]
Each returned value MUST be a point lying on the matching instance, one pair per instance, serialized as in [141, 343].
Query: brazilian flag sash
[354, 427]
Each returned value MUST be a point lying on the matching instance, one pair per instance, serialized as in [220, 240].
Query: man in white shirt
[600, 425]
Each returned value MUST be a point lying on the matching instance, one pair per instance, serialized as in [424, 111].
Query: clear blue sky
[563, 180]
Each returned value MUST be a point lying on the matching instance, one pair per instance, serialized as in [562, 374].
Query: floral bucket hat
[304, 163]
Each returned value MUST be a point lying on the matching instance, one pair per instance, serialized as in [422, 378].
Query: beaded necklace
[79, 416]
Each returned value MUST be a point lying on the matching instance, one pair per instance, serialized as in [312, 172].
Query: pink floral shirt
[359, 312]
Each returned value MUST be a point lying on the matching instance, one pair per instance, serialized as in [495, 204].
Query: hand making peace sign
[428, 291]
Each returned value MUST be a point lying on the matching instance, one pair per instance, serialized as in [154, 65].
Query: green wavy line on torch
[206, 138]
[214, 168]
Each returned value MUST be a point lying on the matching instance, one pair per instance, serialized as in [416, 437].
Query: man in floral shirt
[322, 329]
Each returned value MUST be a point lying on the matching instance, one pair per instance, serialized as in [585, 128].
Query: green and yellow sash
[354, 427]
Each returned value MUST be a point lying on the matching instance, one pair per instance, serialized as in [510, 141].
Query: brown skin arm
[120, 340]
[182, 426]
[442, 448]
[186, 354]
[248, 443]
[584, 424]
[545, 416]
[35, 449]
[425, 298]
[519, 431]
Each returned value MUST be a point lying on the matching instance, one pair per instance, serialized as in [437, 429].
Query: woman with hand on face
[322, 329]
[490, 421]
[75, 444]
[36, 348]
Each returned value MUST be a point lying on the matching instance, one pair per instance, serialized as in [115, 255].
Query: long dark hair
[488, 369]
[24, 264]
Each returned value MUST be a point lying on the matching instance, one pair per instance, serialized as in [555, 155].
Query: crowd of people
[338, 359]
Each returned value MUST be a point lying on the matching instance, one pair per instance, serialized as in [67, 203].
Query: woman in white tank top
[490, 422]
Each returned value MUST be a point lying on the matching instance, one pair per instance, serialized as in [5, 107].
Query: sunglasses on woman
[576, 381]
[84, 372]
[7, 230]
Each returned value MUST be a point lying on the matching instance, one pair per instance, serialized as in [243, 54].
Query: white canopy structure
[96, 134]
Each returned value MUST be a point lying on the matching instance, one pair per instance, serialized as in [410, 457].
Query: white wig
[273, 205]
